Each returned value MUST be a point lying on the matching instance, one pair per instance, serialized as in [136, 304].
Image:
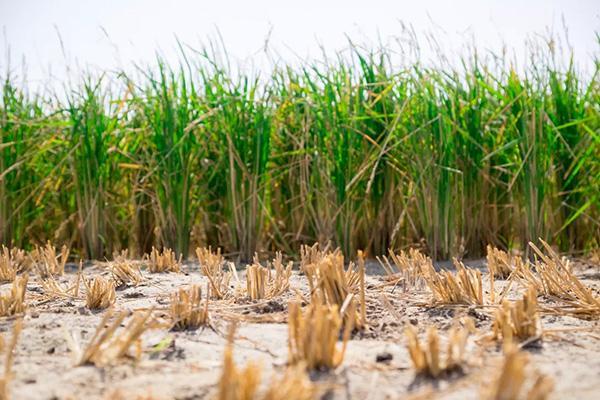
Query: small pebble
[384, 357]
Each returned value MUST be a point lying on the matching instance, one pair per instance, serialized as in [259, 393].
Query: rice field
[339, 228]
[348, 150]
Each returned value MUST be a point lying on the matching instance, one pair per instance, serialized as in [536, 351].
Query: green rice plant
[240, 129]
[21, 121]
[350, 150]
[431, 164]
[473, 107]
[169, 105]
[572, 123]
[533, 174]
[90, 139]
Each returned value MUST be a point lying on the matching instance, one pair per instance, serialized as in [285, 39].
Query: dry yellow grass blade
[409, 265]
[108, 346]
[100, 293]
[165, 261]
[257, 280]
[13, 302]
[8, 358]
[186, 309]
[295, 384]
[553, 277]
[427, 358]
[243, 384]
[500, 264]
[53, 289]
[519, 319]
[211, 266]
[280, 276]
[8, 266]
[125, 273]
[266, 283]
[594, 256]
[330, 282]
[47, 262]
[313, 336]
[312, 254]
[462, 287]
[236, 384]
[511, 383]
[209, 260]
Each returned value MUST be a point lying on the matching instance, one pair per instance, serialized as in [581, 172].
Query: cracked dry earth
[187, 364]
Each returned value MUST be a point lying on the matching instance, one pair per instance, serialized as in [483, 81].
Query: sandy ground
[189, 366]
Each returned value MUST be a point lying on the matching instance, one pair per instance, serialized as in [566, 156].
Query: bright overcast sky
[106, 34]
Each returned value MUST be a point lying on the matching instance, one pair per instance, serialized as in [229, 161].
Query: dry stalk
[13, 302]
[236, 384]
[295, 384]
[313, 336]
[594, 255]
[427, 358]
[47, 262]
[257, 280]
[125, 273]
[410, 265]
[53, 289]
[500, 264]
[464, 287]
[333, 284]
[519, 319]
[186, 309]
[108, 346]
[553, 277]
[266, 283]
[8, 360]
[280, 282]
[211, 266]
[511, 381]
[8, 265]
[312, 254]
[100, 293]
[165, 261]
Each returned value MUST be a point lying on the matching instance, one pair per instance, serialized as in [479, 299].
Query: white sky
[136, 29]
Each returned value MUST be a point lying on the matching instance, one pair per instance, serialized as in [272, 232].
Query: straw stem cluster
[13, 302]
[53, 289]
[100, 293]
[462, 287]
[165, 261]
[313, 336]
[211, 266]
[519, 319]
[516, 380]
[8, 351]
[266, 283]
[334, 284]
[500, 264]
[124, 272]
[410, 265]
[48, 262]
[243, 384]
[109, 343]
[427, 358]
[187, 310]
[9, 264]
[554, 277]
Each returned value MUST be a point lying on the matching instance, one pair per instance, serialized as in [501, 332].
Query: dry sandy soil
[187, 364]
